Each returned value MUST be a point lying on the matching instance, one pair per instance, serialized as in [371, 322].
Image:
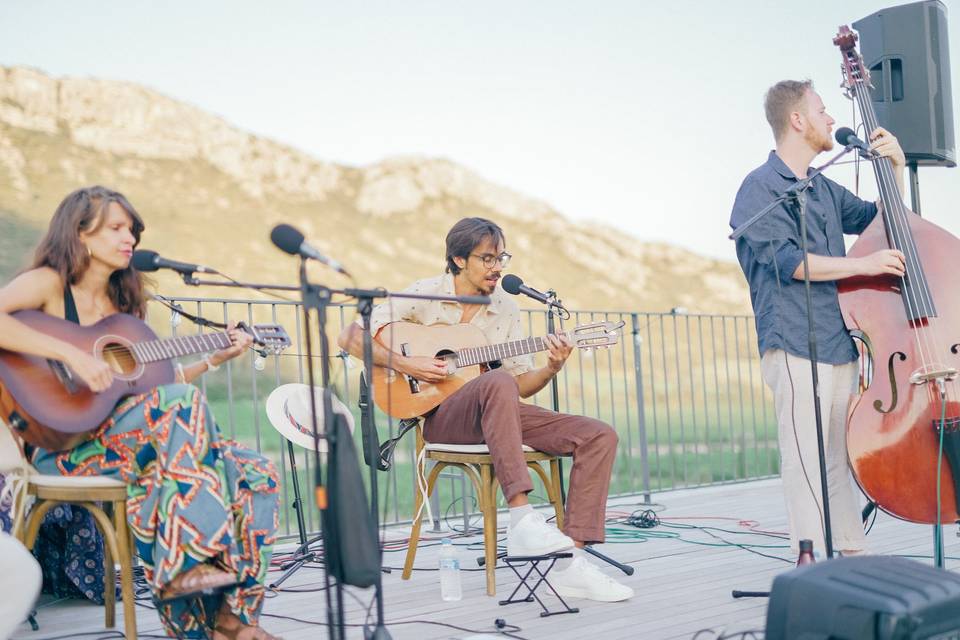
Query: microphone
[849, 139]
[146, 260]
[289, 240]
[514, 285]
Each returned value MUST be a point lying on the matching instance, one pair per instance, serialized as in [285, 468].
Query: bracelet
[209, 362]
[180, 373]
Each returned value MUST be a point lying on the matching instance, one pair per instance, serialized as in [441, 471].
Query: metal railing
[683, 391]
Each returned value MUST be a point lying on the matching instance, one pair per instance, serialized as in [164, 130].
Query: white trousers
[788, 376]
[20, 582]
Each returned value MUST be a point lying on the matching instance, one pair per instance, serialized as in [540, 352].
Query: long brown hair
[84, 210]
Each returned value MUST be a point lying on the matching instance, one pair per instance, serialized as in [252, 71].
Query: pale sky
[643, 115]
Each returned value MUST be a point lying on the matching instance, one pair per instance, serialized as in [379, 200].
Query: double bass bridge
[933, 373]
[949, 425]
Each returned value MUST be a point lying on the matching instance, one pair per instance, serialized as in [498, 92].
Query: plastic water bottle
[450, 588]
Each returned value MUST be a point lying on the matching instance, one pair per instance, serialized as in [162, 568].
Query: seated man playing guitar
[488, 408]
[203, 510]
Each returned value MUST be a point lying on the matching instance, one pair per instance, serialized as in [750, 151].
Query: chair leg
[488, 507]
[30, 531]
[109, 585]
[418, 520]
[111, 552]
[556, 498]
[414, 534]
[126, 570]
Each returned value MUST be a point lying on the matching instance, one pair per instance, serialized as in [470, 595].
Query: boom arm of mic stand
[194, 282]
[789, 194]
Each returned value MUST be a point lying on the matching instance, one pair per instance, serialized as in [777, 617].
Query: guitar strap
[70, 306]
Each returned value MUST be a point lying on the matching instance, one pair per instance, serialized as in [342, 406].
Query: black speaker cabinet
[865, 598]
[906, 50]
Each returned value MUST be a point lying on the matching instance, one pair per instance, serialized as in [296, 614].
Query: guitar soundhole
[120, 358]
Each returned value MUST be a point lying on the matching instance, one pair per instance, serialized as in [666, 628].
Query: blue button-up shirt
[770, 252]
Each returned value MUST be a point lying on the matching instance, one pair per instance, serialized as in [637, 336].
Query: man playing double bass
[771, 259]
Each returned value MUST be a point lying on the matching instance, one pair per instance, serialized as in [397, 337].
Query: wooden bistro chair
[475, 461]
[93, 493]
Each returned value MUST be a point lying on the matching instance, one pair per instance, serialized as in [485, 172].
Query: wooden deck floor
[683, 581]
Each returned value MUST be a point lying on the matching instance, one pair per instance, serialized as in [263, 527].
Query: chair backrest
[15, 469]
[11, 455]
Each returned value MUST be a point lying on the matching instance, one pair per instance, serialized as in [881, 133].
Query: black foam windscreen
[511, 283]
[145, 260]
[287, 239]
[843, 134]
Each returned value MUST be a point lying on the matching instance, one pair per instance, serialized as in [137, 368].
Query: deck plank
[681, 587]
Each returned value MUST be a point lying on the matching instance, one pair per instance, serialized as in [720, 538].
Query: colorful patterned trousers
[192, 496]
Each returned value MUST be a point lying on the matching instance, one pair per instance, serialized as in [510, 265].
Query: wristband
[209, 362]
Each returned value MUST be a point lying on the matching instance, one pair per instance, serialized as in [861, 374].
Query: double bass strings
[919, 301]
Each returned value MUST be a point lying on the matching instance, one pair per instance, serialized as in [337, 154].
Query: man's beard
[818, 142]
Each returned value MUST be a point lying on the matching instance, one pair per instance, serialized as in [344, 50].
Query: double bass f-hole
[893, 383]
[856, 334]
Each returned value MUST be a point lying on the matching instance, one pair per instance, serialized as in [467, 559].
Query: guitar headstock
[596, 335]
[854, 72]
[270, 338]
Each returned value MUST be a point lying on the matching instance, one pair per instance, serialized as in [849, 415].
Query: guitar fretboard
[489, 353]
[169, 348]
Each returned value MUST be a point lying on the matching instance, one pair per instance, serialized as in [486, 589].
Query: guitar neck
[169, 348]
[489, 353]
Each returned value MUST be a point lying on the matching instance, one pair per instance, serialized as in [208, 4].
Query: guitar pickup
[413, 382]
[64, 375]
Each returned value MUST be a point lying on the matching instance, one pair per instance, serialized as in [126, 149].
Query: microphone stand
[371, 454]
[317, 298]
[555, 308]
[796, 196]
[302, 554]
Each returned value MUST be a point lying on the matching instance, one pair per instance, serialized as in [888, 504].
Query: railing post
[641, 412]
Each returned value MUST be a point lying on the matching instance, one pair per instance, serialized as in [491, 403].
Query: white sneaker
[534, 537]
[583, 580]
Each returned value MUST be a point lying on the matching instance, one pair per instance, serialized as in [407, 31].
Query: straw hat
[288, 408]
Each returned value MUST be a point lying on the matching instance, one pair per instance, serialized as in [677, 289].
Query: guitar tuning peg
[259, 362]
[588, 352]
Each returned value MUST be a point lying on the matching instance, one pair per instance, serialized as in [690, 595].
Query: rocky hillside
[210, 193]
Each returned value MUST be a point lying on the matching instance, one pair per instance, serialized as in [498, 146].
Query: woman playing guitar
[203, 509]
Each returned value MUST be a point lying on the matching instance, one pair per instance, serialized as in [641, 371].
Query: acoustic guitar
[48, 406]
[467, 353]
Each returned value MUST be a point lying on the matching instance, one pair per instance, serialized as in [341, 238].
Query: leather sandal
[230, 627]
[202, 579]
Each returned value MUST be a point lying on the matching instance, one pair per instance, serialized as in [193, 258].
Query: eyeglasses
[489, 260]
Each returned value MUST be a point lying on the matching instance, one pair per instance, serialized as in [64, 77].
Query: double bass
[903, 430]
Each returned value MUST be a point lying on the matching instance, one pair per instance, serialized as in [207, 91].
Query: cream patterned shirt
[499, 321]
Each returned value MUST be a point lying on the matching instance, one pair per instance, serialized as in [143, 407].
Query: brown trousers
[488, 409]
